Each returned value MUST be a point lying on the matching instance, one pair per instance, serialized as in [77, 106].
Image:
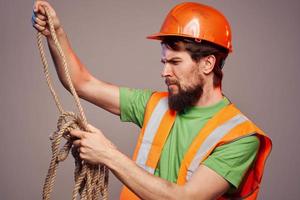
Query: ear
[209, 63]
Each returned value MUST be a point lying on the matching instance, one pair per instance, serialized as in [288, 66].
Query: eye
[175, 62]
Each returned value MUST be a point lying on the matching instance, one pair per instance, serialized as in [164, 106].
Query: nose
[167, 71]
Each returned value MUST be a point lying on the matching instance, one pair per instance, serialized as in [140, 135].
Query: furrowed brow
[175, 59]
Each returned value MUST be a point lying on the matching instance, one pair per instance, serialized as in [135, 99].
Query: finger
[39, 28]
[40, 16]
[82, 156]
[42, 9]
[77, 143]
[38, 7]
[46, 32]
[82, 150]
[39, 21]
[77, 133]
[35, 6]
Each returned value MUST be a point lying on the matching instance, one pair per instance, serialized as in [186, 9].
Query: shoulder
[131, 93]
[233, 159]
[133, 103]
[244, 144]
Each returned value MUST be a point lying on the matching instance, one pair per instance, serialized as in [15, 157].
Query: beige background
[261, 77]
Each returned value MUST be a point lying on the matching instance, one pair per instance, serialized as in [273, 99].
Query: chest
[181, 136]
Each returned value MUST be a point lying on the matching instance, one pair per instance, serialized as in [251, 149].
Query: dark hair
[198, 50]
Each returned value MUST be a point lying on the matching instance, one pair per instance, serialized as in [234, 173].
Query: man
[194, 143]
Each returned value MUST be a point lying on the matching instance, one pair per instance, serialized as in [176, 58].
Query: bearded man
[194, 143]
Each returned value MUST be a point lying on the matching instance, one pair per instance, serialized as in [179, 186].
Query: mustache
[170, 81]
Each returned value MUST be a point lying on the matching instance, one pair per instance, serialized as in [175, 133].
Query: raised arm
[87, 86]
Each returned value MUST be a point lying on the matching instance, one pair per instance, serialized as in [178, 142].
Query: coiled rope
[91, 181]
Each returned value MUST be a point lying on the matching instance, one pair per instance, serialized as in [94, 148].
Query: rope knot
[67, 121]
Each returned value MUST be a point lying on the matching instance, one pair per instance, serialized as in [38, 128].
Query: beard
[184, 98]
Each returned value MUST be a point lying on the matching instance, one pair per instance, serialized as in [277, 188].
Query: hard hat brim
[160, 36]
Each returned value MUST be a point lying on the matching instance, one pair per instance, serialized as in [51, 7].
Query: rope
[91, 181]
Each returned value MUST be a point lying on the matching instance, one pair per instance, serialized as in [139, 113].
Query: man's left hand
[93, 146]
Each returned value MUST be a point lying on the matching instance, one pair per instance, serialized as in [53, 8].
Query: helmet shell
[198, 21]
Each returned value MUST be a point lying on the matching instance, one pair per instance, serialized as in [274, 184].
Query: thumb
[41, 4]
[42, 9]
[35, 9]
[77, 133]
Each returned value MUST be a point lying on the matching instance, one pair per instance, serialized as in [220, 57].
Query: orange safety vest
[226, 126]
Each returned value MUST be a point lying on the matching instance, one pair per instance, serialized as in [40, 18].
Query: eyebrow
[164, 60]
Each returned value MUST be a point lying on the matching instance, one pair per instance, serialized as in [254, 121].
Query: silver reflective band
[212, 140]
[150, 131]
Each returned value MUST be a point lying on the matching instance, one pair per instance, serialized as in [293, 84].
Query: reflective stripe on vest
[150, 131]
[212, 140]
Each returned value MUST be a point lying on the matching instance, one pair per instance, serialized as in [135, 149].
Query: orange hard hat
[198, 21]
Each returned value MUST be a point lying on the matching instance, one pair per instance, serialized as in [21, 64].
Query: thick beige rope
[91, 182]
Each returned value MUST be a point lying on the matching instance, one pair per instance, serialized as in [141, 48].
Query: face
[183, 78]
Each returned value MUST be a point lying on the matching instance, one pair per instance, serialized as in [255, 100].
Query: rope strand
[91, 182]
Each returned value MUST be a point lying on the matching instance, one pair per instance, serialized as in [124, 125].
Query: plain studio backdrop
[260, 77]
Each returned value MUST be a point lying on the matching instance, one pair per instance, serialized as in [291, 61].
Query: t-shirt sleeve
[132, 104]
[232, 160]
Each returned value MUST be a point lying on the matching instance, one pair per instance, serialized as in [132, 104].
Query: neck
[210, 96]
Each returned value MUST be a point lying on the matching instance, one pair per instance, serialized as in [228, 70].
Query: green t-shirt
[231, 161]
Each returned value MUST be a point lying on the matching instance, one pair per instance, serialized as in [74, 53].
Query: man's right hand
[39, 18]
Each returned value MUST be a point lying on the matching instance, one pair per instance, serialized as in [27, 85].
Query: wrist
[113, 157]
[59, 33]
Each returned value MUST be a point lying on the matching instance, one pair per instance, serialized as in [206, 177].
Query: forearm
[145, 185]
[95, 148]
[98, 92]
[77, 70]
